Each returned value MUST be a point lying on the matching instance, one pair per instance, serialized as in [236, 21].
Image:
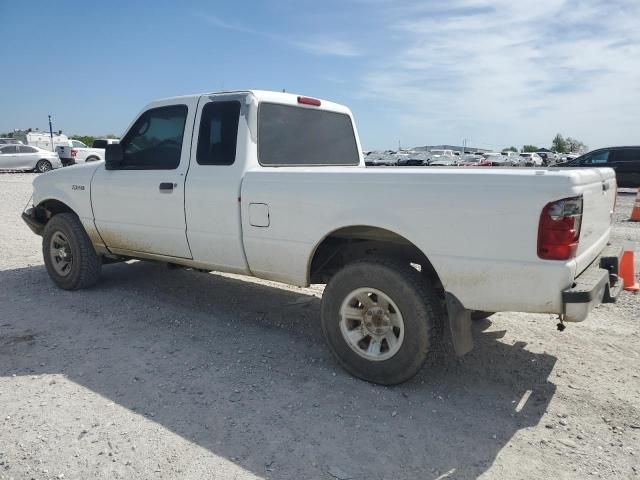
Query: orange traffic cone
[628, 273]
[635, 213]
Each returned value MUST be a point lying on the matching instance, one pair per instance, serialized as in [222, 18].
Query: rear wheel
[381, 319]
[43, 166]
[69, 256]
[92, 159]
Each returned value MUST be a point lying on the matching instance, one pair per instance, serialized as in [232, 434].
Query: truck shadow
[241, 370]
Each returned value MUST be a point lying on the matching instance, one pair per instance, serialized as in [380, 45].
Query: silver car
[26, 157]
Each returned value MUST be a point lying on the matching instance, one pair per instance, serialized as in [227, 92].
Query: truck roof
[270, 97]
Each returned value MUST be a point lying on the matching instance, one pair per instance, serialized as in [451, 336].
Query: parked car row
[14, 155]
[449, 158]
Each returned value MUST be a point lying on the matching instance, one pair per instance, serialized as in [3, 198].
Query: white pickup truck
[77, 152]
[274, 185]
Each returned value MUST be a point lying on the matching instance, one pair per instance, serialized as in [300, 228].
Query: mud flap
[459, 324]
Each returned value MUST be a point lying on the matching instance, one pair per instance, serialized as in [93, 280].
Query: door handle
[166, 187]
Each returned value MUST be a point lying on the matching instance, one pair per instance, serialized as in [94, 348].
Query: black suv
[624, 160]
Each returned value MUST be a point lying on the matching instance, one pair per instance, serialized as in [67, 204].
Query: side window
[218, 133]
[598, 158]
[78, 144]
[9, 149]
[628, 155]
[155, 140]
[99, 144]
[25, 149]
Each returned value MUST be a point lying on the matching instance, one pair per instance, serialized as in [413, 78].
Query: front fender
[70, 186]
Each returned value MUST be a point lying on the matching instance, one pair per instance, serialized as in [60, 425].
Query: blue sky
[497, 72]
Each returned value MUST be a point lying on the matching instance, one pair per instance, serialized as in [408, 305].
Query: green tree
[559, 144]
[529, 148]
[575, 146]
[510, 149]
[86, 139]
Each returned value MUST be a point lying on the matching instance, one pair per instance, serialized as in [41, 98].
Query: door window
[11, 149]
[26, 149]
[598, 158]
[218, 133]
[155, 140]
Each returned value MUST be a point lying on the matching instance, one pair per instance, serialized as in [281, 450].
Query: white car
[442, 158]
[531, 159]
[274, 185]
[510, 159]
[26, 157]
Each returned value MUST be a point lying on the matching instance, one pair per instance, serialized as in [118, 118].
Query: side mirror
[113, 156]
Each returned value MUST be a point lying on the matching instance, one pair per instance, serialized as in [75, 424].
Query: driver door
[139, 208]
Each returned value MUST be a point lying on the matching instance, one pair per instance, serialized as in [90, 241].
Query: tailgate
[63, 151]
[598, 188]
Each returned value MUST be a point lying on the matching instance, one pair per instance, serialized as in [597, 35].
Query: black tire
[480, 315]
[85, 264]
[92, 159]
[43, 166]
[420, 308]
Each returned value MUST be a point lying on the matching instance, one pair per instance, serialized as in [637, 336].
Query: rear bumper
[599, 283]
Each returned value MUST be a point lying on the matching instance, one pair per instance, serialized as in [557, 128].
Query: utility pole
[51, 134]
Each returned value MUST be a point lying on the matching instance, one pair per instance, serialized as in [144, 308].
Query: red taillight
[559, 229]
[309, 101]
[74, 152]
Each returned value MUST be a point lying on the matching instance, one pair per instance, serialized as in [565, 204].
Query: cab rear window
[289, 135]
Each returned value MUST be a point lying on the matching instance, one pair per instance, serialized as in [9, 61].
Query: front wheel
[381, 319]
[71, 260]
[43, 166]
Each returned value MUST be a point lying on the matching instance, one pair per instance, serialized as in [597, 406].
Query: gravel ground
[174, 374]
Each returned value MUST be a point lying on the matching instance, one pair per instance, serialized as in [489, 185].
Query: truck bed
[477, 226]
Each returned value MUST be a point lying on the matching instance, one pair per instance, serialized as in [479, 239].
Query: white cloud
[328, 46]
[504, 71]
[317, 45]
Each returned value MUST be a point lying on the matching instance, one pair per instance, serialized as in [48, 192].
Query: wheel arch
[52, 206]
[345, 244]
[46, 209]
